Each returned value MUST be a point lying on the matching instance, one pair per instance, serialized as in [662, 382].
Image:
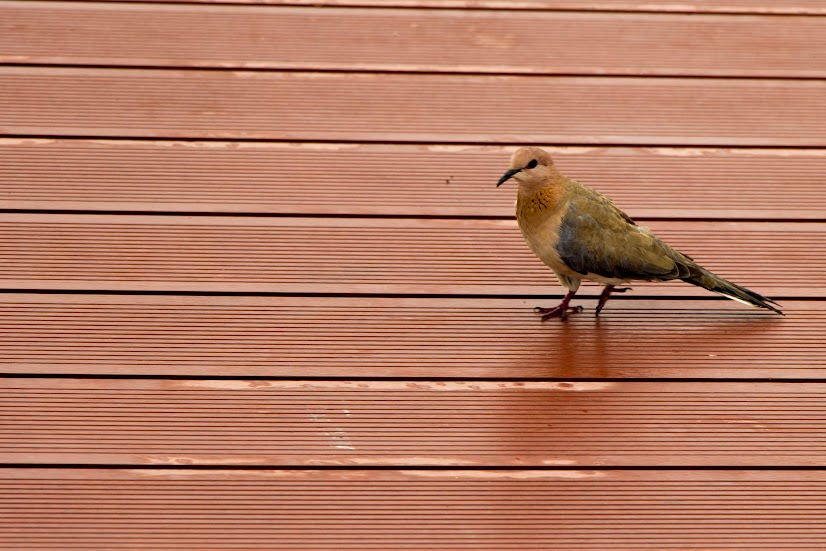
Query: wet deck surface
[260, 291]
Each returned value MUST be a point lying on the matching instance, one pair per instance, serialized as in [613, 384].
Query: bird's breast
[539, 216]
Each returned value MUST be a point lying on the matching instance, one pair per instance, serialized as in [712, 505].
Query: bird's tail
[705, 279]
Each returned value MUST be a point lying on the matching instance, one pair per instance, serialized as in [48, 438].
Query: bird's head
[531, 167]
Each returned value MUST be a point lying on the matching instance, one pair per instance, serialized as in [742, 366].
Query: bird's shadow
[700, 338]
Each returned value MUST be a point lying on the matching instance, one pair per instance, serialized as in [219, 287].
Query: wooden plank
[369, 39]
[386, 179]
[791, 7]
[412, 509]
[411, 423]
[344, 255]
[427, 338]
[411, 107]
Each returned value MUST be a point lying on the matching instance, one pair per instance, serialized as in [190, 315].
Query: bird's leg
[603, 298]
[560, 311]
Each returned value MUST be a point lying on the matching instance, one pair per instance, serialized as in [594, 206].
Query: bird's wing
[598, 238]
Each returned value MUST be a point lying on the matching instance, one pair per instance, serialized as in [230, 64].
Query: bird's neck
[538, 199]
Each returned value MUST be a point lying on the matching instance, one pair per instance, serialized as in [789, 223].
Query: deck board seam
[430, 7]
[378, 216]
[367, 141]
[429, 72]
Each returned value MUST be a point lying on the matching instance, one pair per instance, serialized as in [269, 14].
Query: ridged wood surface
[407, 509]
[405, 40]
[386, 179]
[411, 423]
[328, 255]
[384, 355]
[437, 337]
[411, 107]
[799, 7]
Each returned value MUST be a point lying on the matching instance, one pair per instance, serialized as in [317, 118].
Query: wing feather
[598, 238]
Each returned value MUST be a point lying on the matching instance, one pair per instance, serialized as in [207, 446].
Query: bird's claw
[607, 292]
[557, 311]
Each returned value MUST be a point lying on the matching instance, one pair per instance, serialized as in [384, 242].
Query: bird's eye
[531, 164]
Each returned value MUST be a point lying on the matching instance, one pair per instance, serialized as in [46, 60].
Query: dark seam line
[448, 141]
[409, 142]
[287, 294]
[343, 141]
[403, 71]
[403, 467]
[419, 379]
[377, 216]
[357, 5]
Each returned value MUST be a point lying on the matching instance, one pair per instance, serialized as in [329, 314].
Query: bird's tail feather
[705, 279]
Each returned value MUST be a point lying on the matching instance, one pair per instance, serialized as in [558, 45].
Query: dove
[580, 235]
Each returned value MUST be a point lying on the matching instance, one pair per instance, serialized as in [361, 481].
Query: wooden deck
[259, 290]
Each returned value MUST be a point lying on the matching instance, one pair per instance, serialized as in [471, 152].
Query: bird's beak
[507, 176]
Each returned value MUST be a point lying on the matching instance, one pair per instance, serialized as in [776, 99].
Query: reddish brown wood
[407, 40]
[798, 7]
[370, 337]
[411, 107]
[321, 255]
[572, 408]
[425, 509]
[322, 179]
[407, 423]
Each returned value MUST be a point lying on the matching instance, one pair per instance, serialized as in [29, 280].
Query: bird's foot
[560, 311]
[607, 292]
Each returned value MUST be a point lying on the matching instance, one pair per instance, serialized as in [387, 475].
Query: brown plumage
[580, 234]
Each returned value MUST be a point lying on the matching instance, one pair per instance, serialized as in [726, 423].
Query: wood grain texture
[411, 107]
[486, 429]
[791, 7]
[405, 40]
[411, 423]
[428, 338]
[407, 256]
[386, 179]
[426, 509]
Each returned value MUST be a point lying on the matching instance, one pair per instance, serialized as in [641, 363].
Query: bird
[581, 235]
